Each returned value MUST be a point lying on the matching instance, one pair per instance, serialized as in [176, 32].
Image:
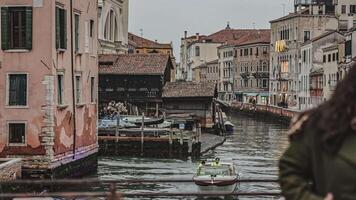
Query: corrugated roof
[188, 89]
[134, 64]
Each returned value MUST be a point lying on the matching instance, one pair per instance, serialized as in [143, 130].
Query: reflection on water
[255, 148]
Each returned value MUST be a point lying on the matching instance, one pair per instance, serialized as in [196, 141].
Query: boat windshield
[224, 170]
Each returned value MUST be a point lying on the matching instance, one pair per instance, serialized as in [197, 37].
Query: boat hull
[215, 188]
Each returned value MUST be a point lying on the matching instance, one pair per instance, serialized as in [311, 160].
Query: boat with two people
[216, 176]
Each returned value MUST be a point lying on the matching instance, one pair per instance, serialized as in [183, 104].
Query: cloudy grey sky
[166, 20]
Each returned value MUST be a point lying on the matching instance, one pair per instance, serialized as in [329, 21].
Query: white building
[345, 10]
[314, 59]
[113, 26]
[288, 34]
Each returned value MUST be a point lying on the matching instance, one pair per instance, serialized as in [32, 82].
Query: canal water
[255, 148]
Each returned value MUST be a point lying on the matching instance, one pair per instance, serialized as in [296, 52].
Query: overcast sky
[166, 20]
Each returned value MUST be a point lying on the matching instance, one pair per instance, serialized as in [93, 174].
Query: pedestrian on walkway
[320, 162]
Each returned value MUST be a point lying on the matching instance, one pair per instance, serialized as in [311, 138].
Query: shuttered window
[76, 32]
[61, 28]
[17, 133]
[78, 89]
[60, 88]
[17, 94]
[16, 28]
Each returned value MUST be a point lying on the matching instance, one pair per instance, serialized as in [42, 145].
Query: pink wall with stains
[50, 127]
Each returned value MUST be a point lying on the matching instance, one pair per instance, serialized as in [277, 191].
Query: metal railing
[113, 193]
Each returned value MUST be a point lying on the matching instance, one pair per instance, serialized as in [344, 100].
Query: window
[91, 28]
[256, 51]
[329, 57]
[264, 83]
[306, 36]
[60, 88]
[61, 28]
[264, 50]
[250, 51]
[241, 52]
[324, 58]
[76, 32]
[17, 90]
[197, 51]
[16, 133]
[92, 89]
[348, 47]
[334, 57]
[353, 9]
[343, 9]
[78, 89]
[16, 28]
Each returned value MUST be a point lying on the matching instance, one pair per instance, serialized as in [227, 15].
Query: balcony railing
[261, 74]
[245, 75]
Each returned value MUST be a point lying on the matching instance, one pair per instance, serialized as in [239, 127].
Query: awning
[251, 94]
[264, 94]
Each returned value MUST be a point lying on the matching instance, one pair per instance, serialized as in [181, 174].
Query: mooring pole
[142, 129]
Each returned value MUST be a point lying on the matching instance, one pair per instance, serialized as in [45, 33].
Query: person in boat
[200, 167]
[216, 162]
[320, 163]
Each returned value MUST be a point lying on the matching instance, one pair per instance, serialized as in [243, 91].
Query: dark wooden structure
[136, 80]
[191, 98]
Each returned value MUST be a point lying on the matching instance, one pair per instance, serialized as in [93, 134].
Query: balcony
[261, 74]
[245, 75]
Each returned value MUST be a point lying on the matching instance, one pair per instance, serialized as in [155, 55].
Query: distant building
[134, 79]
[314, 61]
[348, 49]
[191, 98]
[113, 26]
[331, 74]
[49, 86]
[251, 80]
[309, 20]
[209, 72]
[142, 45]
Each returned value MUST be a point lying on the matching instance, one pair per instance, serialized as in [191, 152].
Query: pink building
[48, 84]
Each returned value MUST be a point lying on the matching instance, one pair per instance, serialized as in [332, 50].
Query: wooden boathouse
[195, 99]
[134, 79]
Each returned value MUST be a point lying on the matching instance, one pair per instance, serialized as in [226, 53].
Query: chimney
[350, 23]
[156, 41]
[185, 34]
[197, 36]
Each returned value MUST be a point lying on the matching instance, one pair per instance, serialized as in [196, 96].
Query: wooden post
[142, 129]
[117, 127]
[157, 110]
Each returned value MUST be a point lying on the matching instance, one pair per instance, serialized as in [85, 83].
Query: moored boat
[216, 177]
[229, 127]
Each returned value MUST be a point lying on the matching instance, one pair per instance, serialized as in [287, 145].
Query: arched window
[111, 27]
[197, 51]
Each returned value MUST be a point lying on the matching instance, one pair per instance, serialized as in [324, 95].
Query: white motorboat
[216, 177]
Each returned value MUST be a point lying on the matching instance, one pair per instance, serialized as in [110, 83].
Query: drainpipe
[73, 78]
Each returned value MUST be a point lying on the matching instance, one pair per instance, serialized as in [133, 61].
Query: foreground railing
[113, 192]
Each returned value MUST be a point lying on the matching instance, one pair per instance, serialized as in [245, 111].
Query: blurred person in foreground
[320, 162]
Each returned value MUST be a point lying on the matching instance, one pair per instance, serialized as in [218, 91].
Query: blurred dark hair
[335, 119]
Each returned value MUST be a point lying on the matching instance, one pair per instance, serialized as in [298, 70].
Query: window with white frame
[17, 90]
[60, 89]
[16, 133]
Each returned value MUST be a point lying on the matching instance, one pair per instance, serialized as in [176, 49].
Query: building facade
[49, 80]
[288, 34]
[252, 71]
[209, 72]
[314, 61]
[227, 70]
[113, 26]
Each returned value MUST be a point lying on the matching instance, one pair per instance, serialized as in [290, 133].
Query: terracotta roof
[146, 43]
[134, 64]
[188, 89]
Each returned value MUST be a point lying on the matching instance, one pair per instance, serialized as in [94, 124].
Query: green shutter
[64, 29]
[5, 28]
[57, 28]
[29, 28]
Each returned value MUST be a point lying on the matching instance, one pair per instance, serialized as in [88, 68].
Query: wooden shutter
[57, 28]
[28, 11]
[5, 28]
[64, 27]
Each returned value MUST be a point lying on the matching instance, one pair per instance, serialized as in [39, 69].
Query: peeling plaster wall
[50, 133]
